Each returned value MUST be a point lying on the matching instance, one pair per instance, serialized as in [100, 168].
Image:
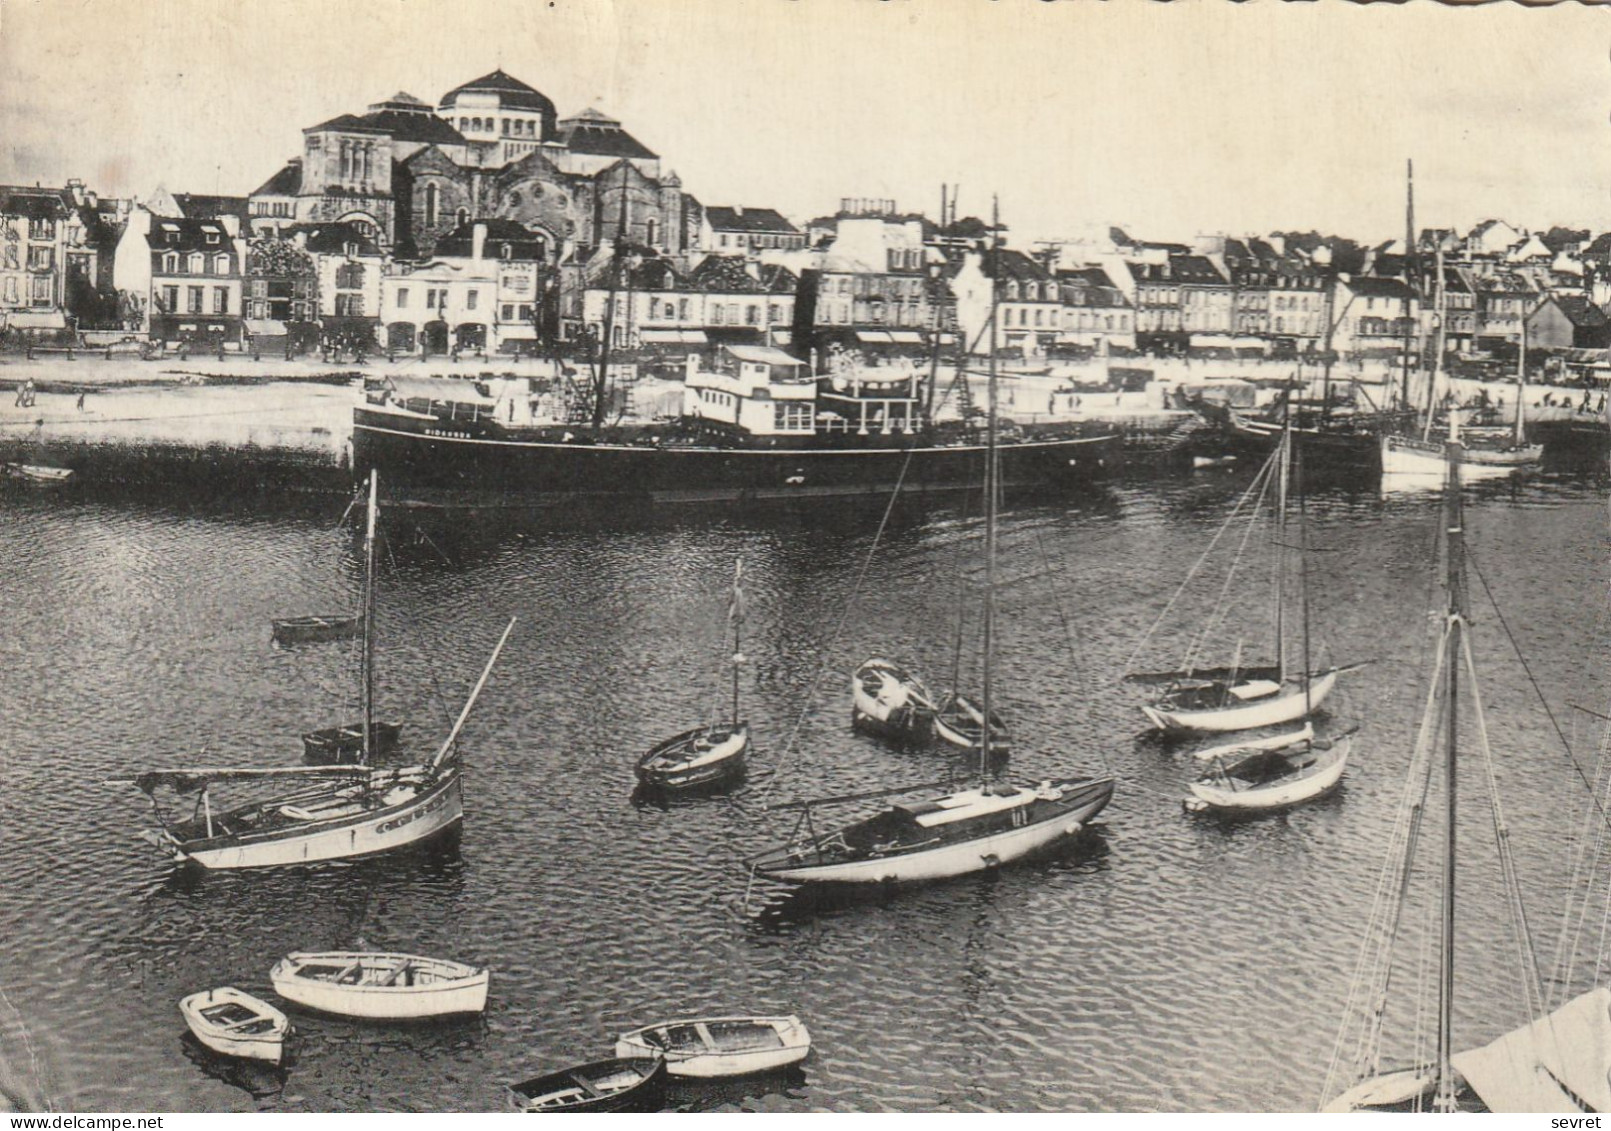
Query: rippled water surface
[1164, 962]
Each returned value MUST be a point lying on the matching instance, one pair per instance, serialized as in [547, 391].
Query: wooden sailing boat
[1558, 1063]
[315, 812]
[958, 833]
[358, 742]
[889, 701]
[1270, 773]
[1484, 454]
[710, 755]
[1241, 697]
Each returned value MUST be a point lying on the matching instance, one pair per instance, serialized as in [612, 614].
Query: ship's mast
[601, 375]
[1445, 1098]
[368, 613]
[986, 734]
[1409, 282]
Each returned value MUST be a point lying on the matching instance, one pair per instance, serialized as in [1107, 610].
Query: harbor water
[1162, 962]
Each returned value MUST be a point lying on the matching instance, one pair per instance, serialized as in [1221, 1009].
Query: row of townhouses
[488, 223]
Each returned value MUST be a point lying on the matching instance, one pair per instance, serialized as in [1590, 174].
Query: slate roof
[188, 235]
[1375, 286]
[406, 126]
[32, 203]
[603, 139]
[1581, 312]
[1014, 265]
[724, 218]
[1600, 246]
[461, 240]
[287, 182]
[725, 274]
[1198, 270]
[333, 238]
[1558, 237]
[512, 93]
[345, 123]
[198, 207]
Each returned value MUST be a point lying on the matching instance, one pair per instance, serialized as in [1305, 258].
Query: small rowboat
[891, 702]
[234, 1023]
[344, 745]
[720, 1046]
[695, 759]
[1264, 776]
[316, 629]
[961, 724]
[385, 987]
[621, 1084]
[37, 473]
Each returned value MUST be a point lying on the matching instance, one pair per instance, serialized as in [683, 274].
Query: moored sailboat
[710, 755]
[1274, 773]
[889, 701]
[1557, 1062]
[329, 813]
[963, 831]
[1197, 699]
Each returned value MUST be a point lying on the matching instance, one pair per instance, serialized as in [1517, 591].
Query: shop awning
[265, 326]
[873, 336]
[908, 337]
[671, 337]
[37, 320]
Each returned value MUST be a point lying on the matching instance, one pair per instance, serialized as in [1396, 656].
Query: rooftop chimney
[478, 241]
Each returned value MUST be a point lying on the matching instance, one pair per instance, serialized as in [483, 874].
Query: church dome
[512, 94]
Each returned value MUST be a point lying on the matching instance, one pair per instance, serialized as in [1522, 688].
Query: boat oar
[469, 703]
[1328, 743]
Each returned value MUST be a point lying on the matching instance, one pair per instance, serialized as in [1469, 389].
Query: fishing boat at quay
[753, 426]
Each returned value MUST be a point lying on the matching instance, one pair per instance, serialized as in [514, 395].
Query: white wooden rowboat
[234, 1023]
[385, 987]
[710, 1047]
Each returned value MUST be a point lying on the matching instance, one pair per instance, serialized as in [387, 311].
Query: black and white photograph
[804, 556]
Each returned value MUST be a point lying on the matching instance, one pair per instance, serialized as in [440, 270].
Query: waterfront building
[1094, 311]
[180, 279]
[281, 294]
[1567, 321]
[349, 265]
[1374, 315]
[483, 292]
[1299, 308]
[1157, 298]
[1492, 239]
[35, 242]
[724, 299]
[726, 230]
[1206, 299]
[1503, 300]
[868, 293]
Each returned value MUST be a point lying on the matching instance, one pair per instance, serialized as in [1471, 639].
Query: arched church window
[462, 216]
[515, 200]
[432, 205]
[651, 231]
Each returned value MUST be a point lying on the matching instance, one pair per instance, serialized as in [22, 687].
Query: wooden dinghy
[960, 723]
[234, 1023]
[712, 1047]
[1271, 773]
[695, 759]
[888, 701]
[382, 987]
[37, 473]
[344, 745]
[316, 629]
[618, 1084]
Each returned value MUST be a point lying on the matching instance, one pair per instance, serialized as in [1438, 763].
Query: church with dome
[408, 175]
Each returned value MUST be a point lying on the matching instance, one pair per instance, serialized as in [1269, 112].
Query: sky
[1171, 120]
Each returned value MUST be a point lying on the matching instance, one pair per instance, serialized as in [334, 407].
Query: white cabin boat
[232, 1022]
[712, 1047]
[1255, 703]
[382, 987]
[1255, 778]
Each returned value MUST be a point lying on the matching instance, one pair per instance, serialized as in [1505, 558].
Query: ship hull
[422, 462]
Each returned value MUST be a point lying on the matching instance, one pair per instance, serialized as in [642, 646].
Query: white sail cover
[1531, 1069]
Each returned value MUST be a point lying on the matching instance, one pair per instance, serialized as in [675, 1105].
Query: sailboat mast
[602, 376]
[1303, 571]
[1445, 1099]
[1283, 472]
[738, 628]
[1409, 281]
[368, 649]
[986, 733]
[1437, 360]
[1521, 384]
